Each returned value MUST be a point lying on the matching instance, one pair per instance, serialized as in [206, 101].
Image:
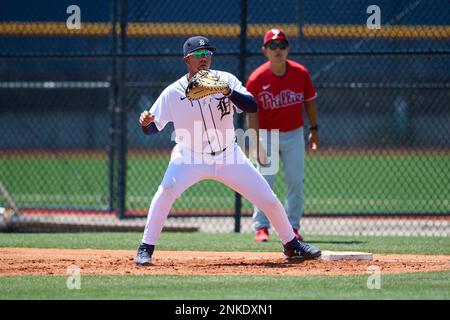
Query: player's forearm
[253, 126]
[252, 121]
[245, 102]
[311, 112]
[151, 129]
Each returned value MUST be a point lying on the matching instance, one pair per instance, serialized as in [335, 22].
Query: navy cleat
[296, 249]
[144, 254]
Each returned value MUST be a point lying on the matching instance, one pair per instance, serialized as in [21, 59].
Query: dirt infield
[31, 261]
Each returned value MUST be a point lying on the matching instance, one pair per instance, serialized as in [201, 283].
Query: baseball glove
[205, 83]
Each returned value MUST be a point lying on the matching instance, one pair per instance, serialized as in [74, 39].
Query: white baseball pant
[233, 169]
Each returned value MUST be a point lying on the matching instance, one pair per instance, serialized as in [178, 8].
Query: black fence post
[122, 116]
[112, 109]
[241, 118]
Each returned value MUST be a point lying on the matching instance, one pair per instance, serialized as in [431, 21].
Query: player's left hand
[205, 83]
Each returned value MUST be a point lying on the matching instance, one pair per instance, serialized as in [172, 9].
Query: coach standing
[281, 88]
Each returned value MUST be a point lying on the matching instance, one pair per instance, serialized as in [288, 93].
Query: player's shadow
[337, 242]
[265, 264]
[328, 241]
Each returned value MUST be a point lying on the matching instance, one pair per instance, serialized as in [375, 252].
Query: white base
[346, 255]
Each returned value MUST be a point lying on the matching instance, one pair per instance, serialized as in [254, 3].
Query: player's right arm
[147, 123]
[154, 120]
[146, 118]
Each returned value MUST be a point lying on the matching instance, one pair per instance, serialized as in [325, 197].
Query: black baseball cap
[198, 42]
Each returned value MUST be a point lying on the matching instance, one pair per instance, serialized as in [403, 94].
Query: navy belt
[217, 152]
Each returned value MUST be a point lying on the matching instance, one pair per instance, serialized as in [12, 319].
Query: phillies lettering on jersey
[280, 99]
[285, 98]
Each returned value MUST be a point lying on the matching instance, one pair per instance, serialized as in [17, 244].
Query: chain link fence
[73, 156]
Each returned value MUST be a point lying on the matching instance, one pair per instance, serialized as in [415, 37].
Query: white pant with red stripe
[231, 168]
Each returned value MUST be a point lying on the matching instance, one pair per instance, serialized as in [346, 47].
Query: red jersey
[280, 99]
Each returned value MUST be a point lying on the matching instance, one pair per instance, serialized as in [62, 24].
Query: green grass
[225, 242]
[344, 183]
[433, 285]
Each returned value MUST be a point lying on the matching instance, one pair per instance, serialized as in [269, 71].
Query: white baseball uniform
[206, 149]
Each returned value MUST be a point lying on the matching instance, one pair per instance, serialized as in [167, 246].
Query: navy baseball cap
[198, 42]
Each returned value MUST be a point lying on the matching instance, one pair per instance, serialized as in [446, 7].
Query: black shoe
[296, 249]
[144, 254]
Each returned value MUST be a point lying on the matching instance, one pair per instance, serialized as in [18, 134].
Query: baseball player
[282, 88]
[206, 149]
